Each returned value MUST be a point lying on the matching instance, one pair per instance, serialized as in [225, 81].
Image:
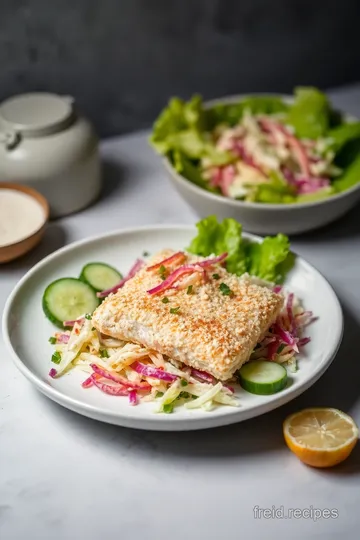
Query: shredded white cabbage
[207, 396]
[76, 341]
[86, 347]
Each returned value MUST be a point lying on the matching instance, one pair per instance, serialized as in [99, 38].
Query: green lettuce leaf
[231, 113]
[265, 104]
[343, 134]
[181, 127]
[265, 259]
[216, 238]
[348, 159]
[224, 113]
[190, 170]
[275, 191]
[268, 260]
[176, 117]
[310, 114]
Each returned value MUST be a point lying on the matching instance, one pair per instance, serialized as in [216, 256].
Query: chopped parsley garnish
[183, 382]
[281, 348]
[146, 253]
[52, 340]
[165, 300]
[159, 394]
[88, 317]
[93, 329]
[162, 272]
[185, 395]
[174, 310]
[225, 289]
[168, 408]
[189, 289]
[216, 276]
[56, 357]
[104, 353]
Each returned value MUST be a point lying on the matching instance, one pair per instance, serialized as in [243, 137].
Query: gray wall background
[122, 59]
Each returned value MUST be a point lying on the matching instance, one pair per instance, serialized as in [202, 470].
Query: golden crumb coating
[210, 331]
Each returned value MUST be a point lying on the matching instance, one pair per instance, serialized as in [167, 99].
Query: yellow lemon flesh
[320, 437]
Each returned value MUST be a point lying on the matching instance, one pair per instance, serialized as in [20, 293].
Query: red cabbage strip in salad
[267, 151]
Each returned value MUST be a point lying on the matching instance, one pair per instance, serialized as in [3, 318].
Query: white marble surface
[63, 476]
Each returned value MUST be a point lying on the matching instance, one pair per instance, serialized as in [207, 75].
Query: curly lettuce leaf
[178, 116]
[265, 259]
[196, 146]
[269, 260]
[310, 114]
[181, 127]
[216, 238]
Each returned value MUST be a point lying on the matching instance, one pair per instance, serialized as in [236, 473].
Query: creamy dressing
[20, 216]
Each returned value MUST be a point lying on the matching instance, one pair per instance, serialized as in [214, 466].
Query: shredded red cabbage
[72, 323]
[149, 371]
[110, 389]
[202, 375]
[176, 258]
[134, 270]
[133, 397]
[113, 376]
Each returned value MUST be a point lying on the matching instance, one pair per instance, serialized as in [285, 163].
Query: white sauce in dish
[20, 216]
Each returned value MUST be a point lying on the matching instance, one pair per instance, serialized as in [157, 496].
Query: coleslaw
[130, 370]
[118, 368]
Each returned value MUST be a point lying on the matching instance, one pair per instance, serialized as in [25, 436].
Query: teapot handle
[9, 139]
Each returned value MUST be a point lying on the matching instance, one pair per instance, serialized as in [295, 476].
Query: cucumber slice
[262, 377]
[100, 276]
[67, 299]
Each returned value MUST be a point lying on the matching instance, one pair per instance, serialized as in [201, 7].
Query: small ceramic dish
[11, 251]
[264, 218]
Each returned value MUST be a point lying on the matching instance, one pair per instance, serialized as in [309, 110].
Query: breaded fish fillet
[210, 331]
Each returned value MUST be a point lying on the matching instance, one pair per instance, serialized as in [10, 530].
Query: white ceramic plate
[26, 332]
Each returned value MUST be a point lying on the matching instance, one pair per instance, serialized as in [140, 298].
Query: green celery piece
[271, 195]
[275, 191]
[323, 193]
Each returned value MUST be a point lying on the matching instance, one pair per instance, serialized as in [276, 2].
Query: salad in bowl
[262, 148]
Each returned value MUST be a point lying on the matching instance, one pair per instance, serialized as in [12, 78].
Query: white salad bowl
[264, 218]
[26, 333]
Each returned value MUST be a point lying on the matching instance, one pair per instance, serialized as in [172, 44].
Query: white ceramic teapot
[46, 145]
